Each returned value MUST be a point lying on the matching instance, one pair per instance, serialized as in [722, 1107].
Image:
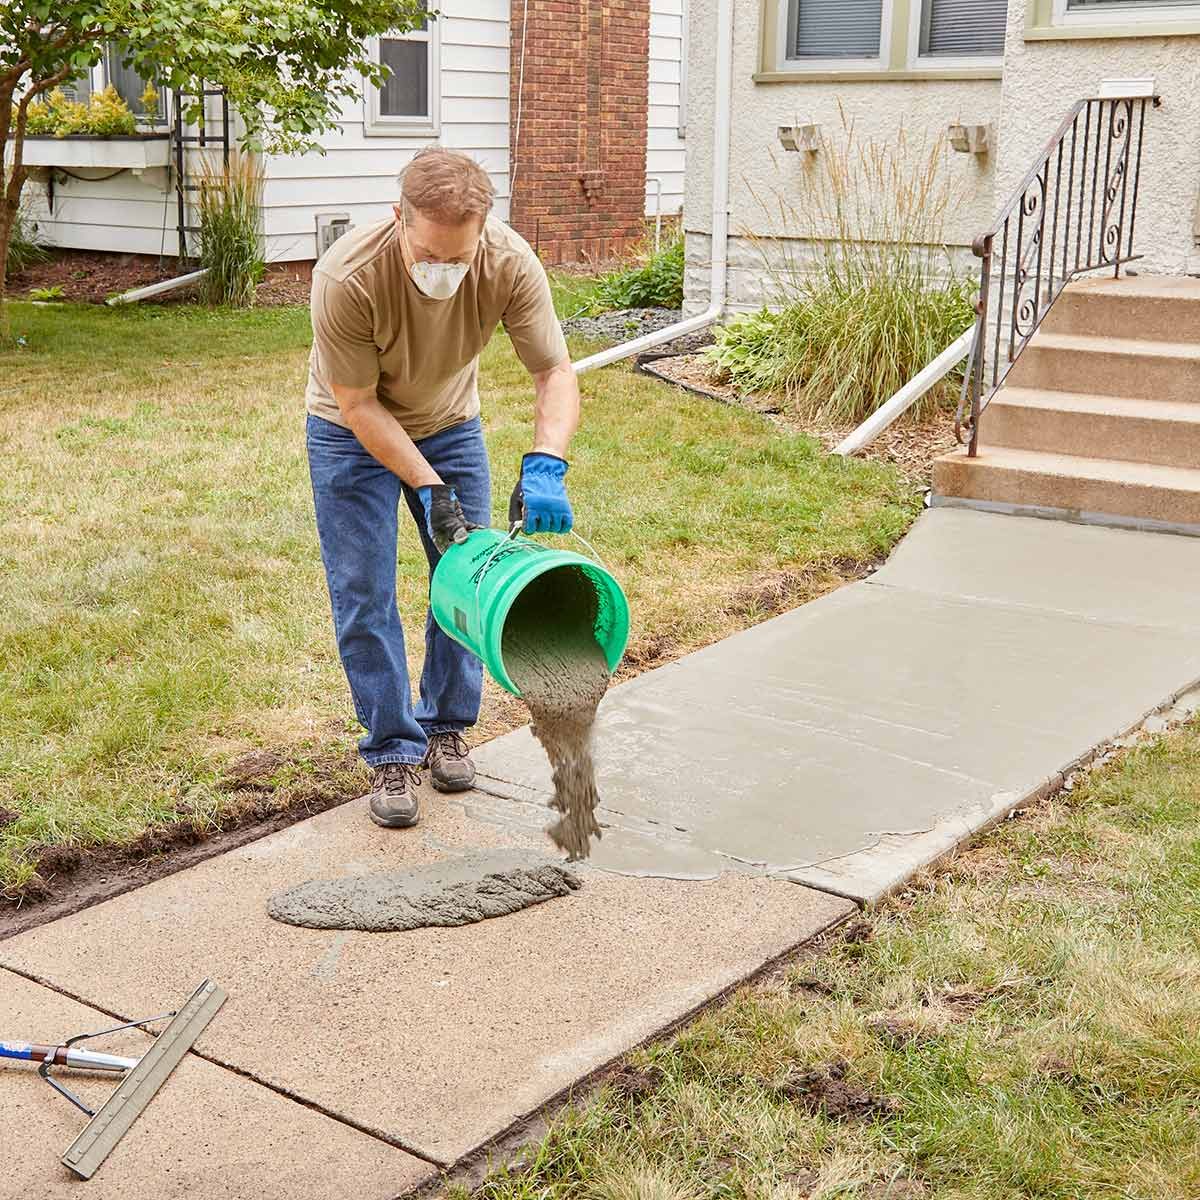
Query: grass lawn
[1025, 1024]
[162, 605]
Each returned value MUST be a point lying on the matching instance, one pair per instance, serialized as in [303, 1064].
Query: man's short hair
[447, 187]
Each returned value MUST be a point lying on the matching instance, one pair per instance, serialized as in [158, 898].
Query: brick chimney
[579, 192]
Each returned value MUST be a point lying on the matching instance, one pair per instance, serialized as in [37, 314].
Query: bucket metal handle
[512, 535]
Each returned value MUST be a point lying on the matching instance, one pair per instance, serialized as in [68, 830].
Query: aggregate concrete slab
[436, 1039]
[208, 1132]
[850, 742]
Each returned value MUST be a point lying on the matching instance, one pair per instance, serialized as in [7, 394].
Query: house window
[131, 86]
[407, 100]
[1050, 20]
[963, 28]
[821, 29]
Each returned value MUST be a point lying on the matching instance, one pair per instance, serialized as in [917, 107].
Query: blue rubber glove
[444, 517]
[540, 497]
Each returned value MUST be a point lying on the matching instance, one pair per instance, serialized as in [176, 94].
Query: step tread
[1072, 466]
[1155, 287]
[1094, 404]
[1044, 339]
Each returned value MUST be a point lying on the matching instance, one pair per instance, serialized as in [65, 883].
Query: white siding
[665, 144]
[355, 175]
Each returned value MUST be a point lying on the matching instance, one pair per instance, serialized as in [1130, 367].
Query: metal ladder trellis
[181, 138]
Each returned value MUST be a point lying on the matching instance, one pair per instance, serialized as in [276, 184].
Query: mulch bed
[91, 277]
[909, 445]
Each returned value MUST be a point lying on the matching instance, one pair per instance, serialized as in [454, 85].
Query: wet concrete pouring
[551, 652]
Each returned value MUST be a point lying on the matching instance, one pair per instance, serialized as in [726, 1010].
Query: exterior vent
[330, 227]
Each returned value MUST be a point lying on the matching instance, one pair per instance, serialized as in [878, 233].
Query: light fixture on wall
[800, 137]
[970, 139]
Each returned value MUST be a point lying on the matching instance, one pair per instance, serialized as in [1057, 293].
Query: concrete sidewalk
[752, 792]
[847, 743]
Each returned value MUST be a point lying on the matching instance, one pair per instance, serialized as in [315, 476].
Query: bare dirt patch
[635, 1084]
[910, 446]
[826, 1091]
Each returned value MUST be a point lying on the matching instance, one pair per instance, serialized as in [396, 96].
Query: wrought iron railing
[1073, 213]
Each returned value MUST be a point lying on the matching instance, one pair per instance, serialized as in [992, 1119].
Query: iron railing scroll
[1074, 212]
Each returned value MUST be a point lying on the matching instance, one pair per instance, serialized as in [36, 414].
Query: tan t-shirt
[372, 326]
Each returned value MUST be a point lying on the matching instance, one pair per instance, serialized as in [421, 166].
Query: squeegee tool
[143, 1076]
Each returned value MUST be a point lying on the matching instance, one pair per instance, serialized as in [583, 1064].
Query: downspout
[722, 109]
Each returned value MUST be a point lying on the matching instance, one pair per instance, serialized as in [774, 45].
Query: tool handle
[66, 1056]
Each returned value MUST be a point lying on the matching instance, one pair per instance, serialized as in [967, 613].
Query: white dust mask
[438, 281]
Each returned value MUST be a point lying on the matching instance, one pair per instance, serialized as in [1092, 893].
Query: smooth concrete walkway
[849, 742]
[832, 750]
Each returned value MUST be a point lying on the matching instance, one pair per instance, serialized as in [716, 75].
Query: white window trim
[801, 66]
[377, 124]
[943, 62]
[1123, 14]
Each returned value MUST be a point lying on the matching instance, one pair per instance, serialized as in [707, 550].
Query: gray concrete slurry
[208, 1132]
[848, 742]
[456, 891]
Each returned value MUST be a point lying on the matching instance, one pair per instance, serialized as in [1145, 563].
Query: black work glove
[444, 517]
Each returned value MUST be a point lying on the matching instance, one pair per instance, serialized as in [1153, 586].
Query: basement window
[407, 102]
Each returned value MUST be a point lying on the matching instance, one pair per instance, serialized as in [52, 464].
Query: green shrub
[656, 283]
[104, 115]
[54, 292]
[23, 248]
[876, 297]
[231, 244]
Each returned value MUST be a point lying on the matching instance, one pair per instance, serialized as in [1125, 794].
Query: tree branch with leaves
[287, 65]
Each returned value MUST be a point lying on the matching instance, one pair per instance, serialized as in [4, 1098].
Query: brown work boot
[394, 803]
[449, 761]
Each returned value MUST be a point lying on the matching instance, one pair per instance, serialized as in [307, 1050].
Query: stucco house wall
[762, 172]
[1044, 74]
[1050, 60]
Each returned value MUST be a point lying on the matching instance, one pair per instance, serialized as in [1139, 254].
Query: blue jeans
[357, 502]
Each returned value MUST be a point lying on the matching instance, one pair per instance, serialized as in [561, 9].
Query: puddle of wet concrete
[457, 891]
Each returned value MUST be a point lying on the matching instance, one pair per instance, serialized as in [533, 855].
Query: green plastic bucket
[477, 582]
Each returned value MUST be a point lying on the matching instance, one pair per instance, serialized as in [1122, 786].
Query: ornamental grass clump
[231, 243]
[870, 296]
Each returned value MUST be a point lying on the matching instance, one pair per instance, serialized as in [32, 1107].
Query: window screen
[406, 92]
[834, 28]
[1127, 3]
[963, 27]
[130, 85]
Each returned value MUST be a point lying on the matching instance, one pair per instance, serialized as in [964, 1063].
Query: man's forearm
[556, 409]
[386, 441]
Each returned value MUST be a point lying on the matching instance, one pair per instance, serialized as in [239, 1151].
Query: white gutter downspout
[720, 210]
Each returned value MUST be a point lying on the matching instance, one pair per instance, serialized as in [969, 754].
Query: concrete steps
[1141, 368]
[1150, 307]
[1161, 432]
[1078, 487]
[1099, 418]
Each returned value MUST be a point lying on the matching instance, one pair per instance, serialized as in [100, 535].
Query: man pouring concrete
[401, 310]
